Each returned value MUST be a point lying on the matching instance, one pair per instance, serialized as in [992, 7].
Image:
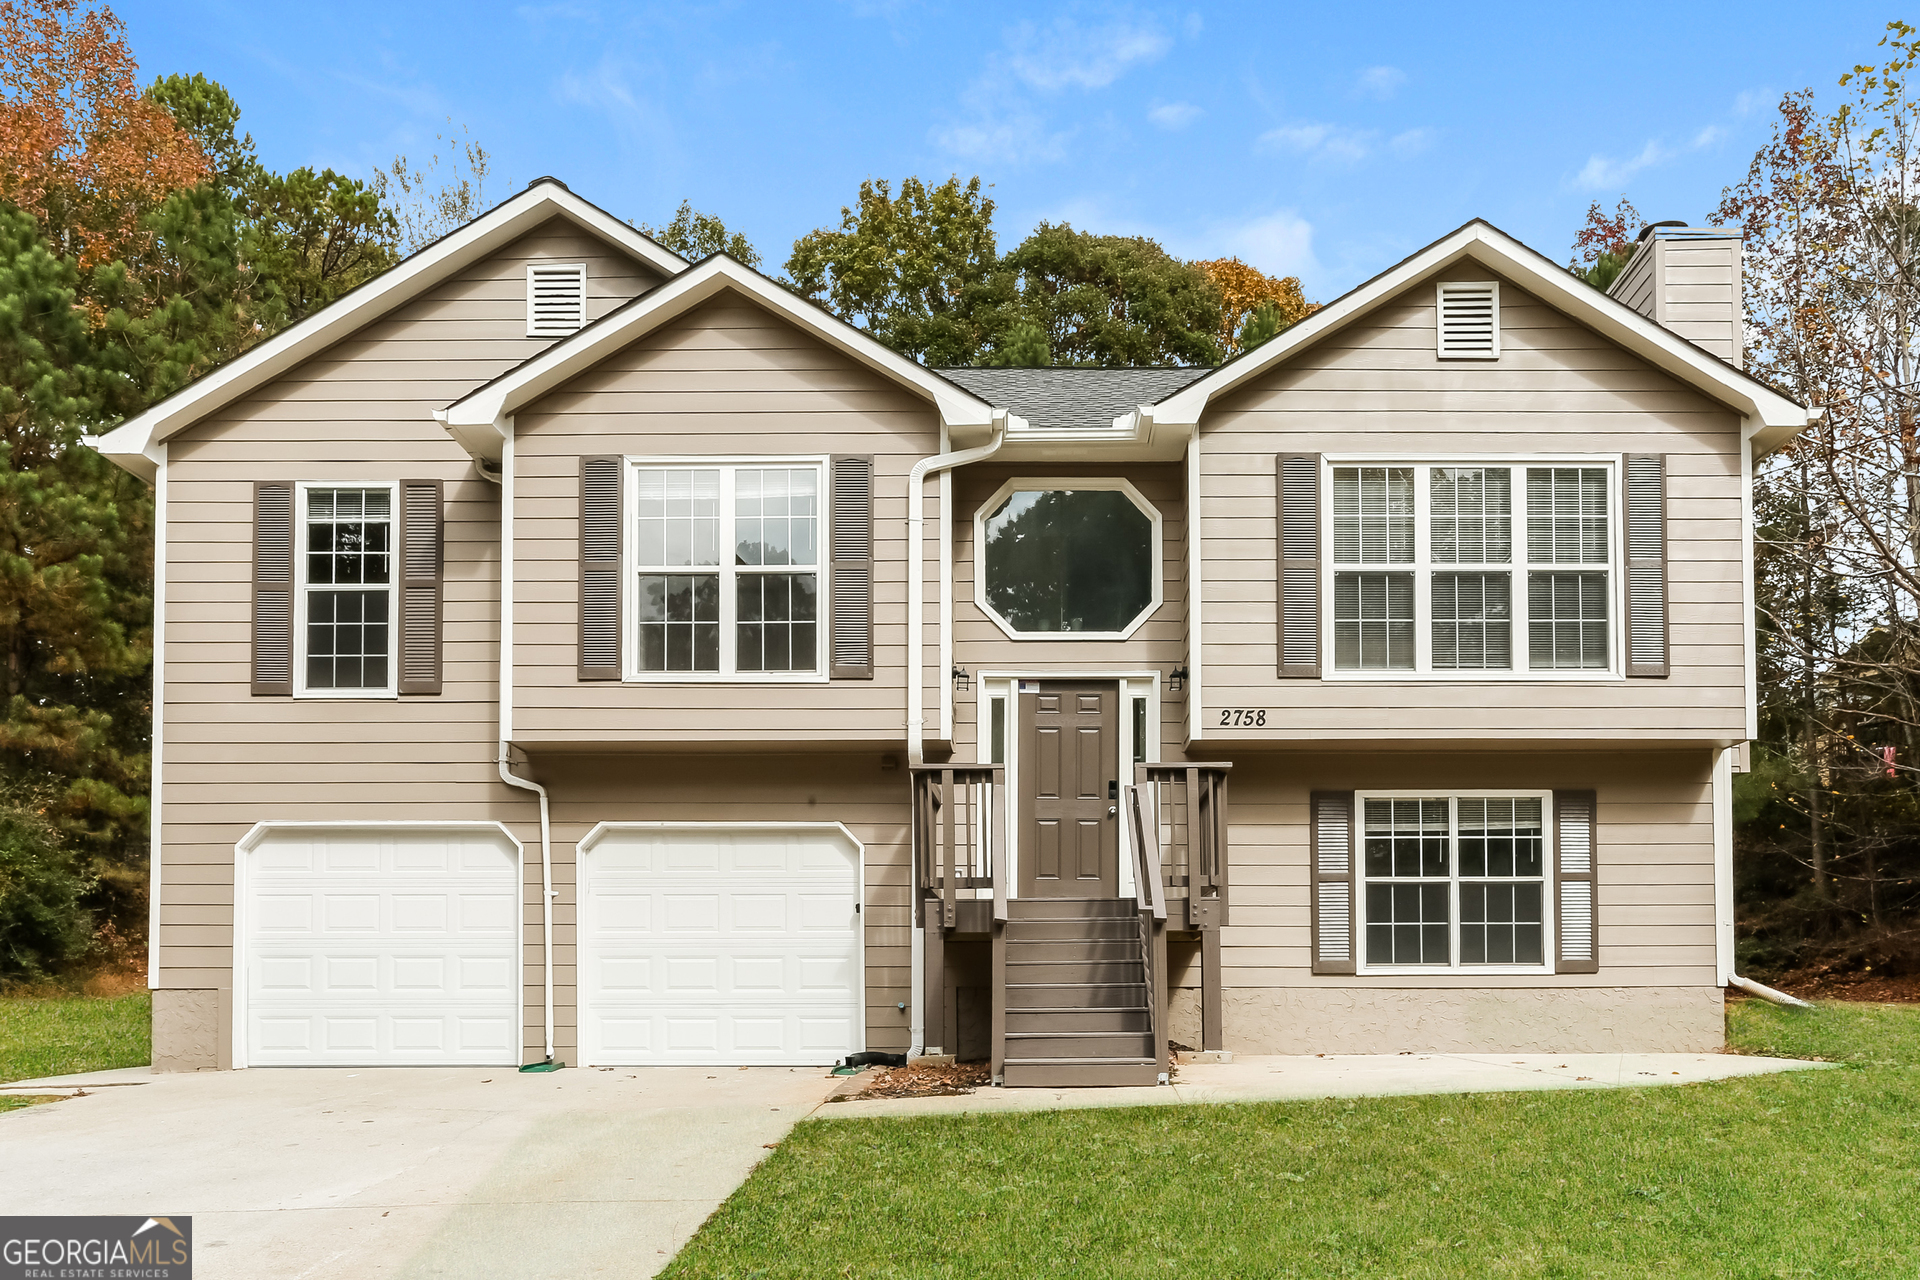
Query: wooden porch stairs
[1078, 1007]
[1078, 985]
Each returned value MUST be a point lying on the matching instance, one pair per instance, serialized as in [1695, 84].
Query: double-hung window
[727, 570]
[346, 589]
[1454, 882]
[1473, 568]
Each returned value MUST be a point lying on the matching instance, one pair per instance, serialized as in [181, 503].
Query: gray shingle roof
[1072, 399]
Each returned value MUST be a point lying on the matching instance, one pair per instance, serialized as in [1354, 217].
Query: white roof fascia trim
[342, 319]
[130, 447]
[479, 417]
[1498, 251]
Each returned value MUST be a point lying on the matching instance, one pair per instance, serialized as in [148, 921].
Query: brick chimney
[1688, 279]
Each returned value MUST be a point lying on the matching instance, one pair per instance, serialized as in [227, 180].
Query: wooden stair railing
[959, 825]
[1188, 811]
[1144, 832]
[959, 822]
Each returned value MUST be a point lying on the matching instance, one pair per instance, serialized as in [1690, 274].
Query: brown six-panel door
[1070, 834]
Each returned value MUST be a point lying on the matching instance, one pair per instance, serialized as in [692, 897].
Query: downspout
[917, 572]
[504, 478]
[916, 714]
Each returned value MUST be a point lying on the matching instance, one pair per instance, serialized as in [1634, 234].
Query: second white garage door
[719, 946]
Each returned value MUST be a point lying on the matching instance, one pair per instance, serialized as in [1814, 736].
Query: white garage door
[719, 947]
[382, 947]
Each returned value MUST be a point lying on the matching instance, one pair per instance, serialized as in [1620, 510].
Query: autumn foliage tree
[1604, 244]
[81, 148]
[1244, 290]
[1830, 213]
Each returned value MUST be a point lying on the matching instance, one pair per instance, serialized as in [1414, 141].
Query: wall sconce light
[1177, 679]
[961, 680]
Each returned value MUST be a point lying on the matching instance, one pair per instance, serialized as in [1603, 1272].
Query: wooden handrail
[1144, 817]
[1200, 866]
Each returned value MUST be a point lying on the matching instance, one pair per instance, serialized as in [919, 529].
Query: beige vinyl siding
[361, 411]
[1375, 387]
[1654, 843]
[1160, 643]
[855, 790]
[727, 379]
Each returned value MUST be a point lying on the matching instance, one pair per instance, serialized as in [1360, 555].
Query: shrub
[43, 924]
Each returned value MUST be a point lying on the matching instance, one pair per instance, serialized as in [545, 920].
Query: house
[571, 653]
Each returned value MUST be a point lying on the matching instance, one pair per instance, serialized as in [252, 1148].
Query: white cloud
[1411, 142]
[1380, 83]
[1012, 137]
[999, 121]
[1751, 100]
[1605, 172]
[1193, 25]
[1709, 135]
[1332, 141]
[1175, 115]
[1066, 55]
[1279, 243]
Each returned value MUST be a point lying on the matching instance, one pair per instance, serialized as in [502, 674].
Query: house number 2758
[1242, 718]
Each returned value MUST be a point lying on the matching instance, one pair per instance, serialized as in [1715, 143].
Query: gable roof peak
[133, 445]
[1773, 417]
[478, 420]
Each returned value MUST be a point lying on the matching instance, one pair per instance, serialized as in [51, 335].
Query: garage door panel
[381, 947]
[730, 948]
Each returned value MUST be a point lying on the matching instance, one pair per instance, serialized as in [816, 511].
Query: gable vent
[1470, 321]
[556, 299]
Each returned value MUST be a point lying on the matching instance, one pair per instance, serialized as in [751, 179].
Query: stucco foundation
[1467, 1020]
[187, 1030]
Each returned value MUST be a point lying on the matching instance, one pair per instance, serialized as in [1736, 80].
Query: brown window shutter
[272, 589]
[600, 568]
[850, 614]
[1575, 889]
[1646, 506]
[1299, 584]
[1332, 903]
[422, 557]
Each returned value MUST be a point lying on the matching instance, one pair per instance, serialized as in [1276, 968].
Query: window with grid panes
[1434, 570]
[1453, 882]
[727, 563]
[347, 589]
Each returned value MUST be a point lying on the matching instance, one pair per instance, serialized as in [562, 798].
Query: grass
[61, 1035]
[1812, 1173]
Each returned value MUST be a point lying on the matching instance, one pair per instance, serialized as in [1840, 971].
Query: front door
[1069, 802]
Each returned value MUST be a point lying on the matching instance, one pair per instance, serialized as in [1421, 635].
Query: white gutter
[505, 480]
[942, 462]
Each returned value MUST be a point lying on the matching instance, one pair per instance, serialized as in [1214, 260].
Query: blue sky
[1324, 140]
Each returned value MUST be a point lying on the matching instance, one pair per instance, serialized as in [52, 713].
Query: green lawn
[57, 1037]
[1813, 1173]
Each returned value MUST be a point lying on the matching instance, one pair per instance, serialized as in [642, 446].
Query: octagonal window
[1073, 561]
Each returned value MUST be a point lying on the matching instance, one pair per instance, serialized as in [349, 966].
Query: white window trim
[1549, 905]
[1439, 319]
[300, 586]
[1109, 484]
[1422, 568]
[534, 328]
[630, 566]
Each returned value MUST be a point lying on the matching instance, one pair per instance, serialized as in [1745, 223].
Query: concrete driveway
[411, 1172]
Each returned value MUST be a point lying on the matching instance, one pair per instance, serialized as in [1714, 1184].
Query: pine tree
[75, 574]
